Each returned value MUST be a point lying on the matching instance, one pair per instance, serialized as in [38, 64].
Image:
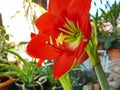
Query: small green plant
[47, 71]
[27, 73]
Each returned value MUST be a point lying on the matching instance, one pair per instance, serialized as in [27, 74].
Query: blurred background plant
[108, 25]
[82, 75]
[32, 10]
[4, 38]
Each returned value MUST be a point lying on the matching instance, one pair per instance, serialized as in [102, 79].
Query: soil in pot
[6, 82]
[48, 86]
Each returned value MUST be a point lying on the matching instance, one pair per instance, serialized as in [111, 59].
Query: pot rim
[8, 82]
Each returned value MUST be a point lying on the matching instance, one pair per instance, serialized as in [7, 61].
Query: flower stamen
[51, 41]
[60, 39]
[70, 34]
[65, 31]
[71, 26]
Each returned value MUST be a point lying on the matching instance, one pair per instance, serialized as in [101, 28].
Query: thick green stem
[65, 81]
[101, 77]
[92, 52]
[95, 61]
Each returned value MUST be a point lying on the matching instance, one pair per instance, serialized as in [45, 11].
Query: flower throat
[70, 34]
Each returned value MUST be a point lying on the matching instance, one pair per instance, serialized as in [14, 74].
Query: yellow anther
[60, 39]
[51, 41]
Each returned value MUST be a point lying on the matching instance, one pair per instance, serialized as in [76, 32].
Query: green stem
[95, 61]
[53, 88]
[65, 81]
[101, 77]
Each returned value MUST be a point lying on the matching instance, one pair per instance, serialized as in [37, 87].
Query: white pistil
[75, 43]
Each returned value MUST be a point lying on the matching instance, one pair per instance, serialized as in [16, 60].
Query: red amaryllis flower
[64, 32]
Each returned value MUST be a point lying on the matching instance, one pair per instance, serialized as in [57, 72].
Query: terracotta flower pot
[6, 82]
[114, 54]
[96, 86]
[91, 86]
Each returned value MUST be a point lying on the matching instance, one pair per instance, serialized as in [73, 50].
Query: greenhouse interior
[59, 45]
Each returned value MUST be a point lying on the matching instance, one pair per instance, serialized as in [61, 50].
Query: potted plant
[27, 75]
[6, 82]
[109, 29]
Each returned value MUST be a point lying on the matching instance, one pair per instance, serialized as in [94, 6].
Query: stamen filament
[69, 28]
[51, 41]
[72, 25]
[65, 31]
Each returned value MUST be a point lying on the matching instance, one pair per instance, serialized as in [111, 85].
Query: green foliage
[109, 42]
[113, 13]
[76, 75]
[97, 20]
[47, 71]
[81, 75]
[4, 37]
[110, 39]
[28, 73]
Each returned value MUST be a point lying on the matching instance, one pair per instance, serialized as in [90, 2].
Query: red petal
[49, 24]
[40, 62]
[78, 11]
[80, 49]
[32, 35]
[81, 58]
[58, 7]
[88, 30]
[63, 64]
[80, 52]
[38, 48]
[70, 59]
